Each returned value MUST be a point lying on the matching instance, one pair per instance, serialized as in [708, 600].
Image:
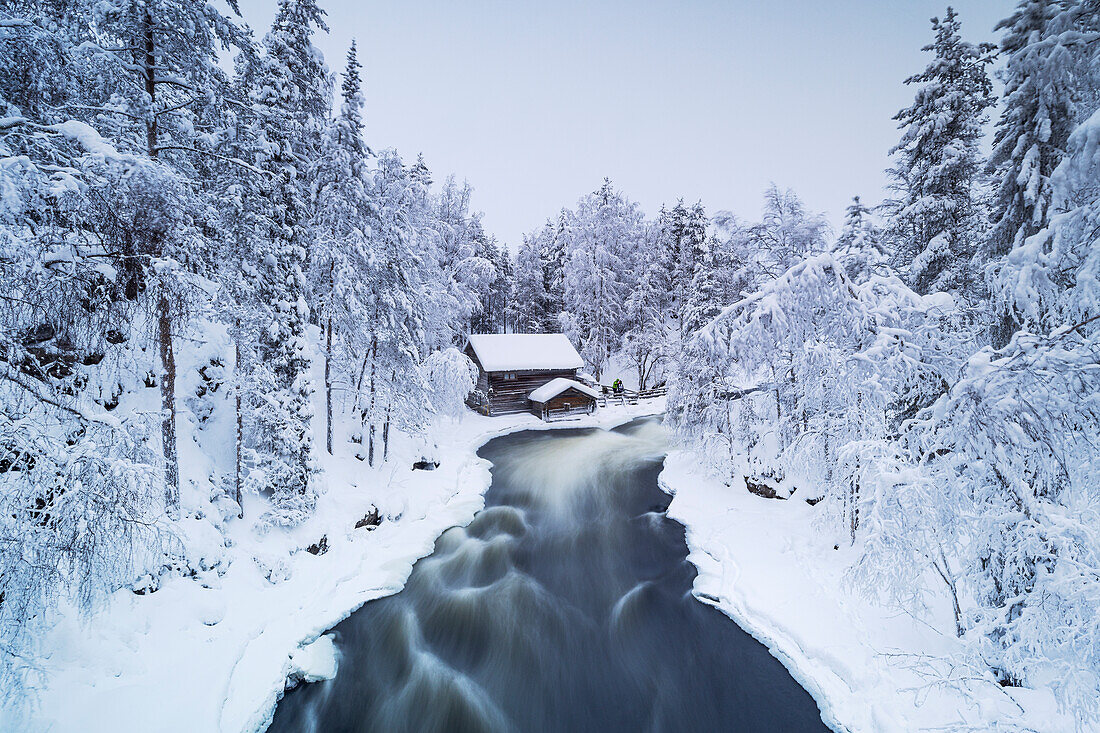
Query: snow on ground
[213, 652]
[763, 563]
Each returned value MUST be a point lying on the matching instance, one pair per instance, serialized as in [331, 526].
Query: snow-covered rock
[313, 662]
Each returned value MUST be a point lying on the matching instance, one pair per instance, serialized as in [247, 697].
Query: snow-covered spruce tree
[859, 246]
[156, 94]
[606, 227]
[527, 307]
[994, 485]
[1048, 280]
[445, 302]
[681, 243]
[785, 235]
[280, 411]
[101, 222]
[554, 258]
[492, 289]
[733, 252]
[780, 383]
[449, 377]
[1036, 120]
[708, 290]
[538, 295]
[648, 344]
[463, 271]
[935, 224]
[239, 248]
[390, 389]
[342, 266]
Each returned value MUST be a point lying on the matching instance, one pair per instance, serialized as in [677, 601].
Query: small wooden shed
[562, 397]
[513, 365]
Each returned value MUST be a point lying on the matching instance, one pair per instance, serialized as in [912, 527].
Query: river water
[564, 606]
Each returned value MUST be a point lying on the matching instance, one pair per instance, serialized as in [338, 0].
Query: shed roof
[517, 352]
[555, 387]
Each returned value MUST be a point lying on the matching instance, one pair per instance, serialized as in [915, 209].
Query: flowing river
[564, 606]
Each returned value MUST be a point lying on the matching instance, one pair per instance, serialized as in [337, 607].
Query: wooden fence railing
[628, 396]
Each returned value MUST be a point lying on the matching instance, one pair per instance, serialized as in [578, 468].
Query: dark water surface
[565, 606]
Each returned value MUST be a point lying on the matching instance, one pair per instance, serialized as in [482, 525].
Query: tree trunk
[164, 318]
[386, 424]
[359, 385]
[328, 386]
[240, 429]
[373, 400]
[149, 63]
[168, 406]
[386, 438]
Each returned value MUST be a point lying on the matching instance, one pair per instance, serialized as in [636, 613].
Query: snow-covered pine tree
[1044, 58]
[785, 235]
[101, 154]
[463, 271]
[492, 287]
[553, 258]
[707, 296]
[681, 242]
[390, 388]
[528, 302]
[341, 272]
[647, 343]
[607, 226]
[936, 223]
[859, 247]
[158, 94]
[286, 104]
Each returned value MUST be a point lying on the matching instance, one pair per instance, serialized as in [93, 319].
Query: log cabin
[562, 397]
[512, 366]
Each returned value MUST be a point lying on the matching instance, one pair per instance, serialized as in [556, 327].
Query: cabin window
[508, 375]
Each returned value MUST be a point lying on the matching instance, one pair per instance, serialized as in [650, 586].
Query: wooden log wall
[510, 395]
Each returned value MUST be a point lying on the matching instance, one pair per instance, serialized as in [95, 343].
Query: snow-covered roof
[555, 387]
[517, 352]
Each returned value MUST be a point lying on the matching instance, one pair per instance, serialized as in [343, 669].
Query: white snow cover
[871, 669]
[315, 662]
[214, 653]
[516, 352]
[556, 386]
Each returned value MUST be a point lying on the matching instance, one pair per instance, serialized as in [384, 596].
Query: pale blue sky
[534, 103]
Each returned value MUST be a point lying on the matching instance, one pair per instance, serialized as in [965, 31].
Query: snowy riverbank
[212, 653]
[869, 667]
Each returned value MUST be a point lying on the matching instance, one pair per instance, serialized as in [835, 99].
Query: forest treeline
[157, 199]
[929, 375]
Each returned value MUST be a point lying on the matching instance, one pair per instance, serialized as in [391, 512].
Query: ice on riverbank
[870, 668]
[314, 661]
[214, 652]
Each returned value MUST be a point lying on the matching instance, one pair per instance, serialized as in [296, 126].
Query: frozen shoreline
[762, 563]
[214, 652]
